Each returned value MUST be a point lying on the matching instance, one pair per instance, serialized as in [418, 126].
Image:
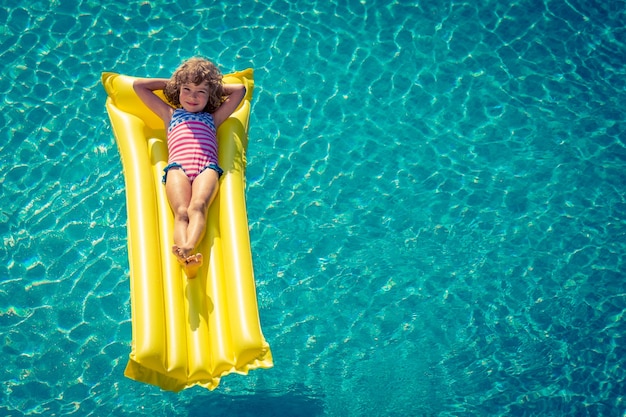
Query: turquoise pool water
[435, 195]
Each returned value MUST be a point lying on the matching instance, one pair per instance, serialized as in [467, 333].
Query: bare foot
[193, 263]
[178, 252]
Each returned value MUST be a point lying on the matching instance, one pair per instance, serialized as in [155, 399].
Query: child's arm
[235, 93]
[145, 87]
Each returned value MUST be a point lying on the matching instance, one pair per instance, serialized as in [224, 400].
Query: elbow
[137, 86]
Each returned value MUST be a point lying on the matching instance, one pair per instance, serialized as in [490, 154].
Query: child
[198, 103]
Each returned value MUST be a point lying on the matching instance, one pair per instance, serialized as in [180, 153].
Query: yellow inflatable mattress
[186, 332]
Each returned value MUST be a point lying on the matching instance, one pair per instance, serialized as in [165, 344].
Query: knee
[181, 213]
[198, 207]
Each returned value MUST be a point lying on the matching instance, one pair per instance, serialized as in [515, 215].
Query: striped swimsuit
[192, 143]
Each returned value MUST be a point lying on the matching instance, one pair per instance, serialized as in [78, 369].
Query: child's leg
[178, 190]
[203, 191]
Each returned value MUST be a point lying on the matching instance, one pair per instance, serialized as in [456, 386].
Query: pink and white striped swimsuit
[192, 143]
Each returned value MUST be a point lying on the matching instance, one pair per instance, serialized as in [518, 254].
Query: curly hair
[196, 71]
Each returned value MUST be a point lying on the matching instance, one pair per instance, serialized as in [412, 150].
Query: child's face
[194, 98]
